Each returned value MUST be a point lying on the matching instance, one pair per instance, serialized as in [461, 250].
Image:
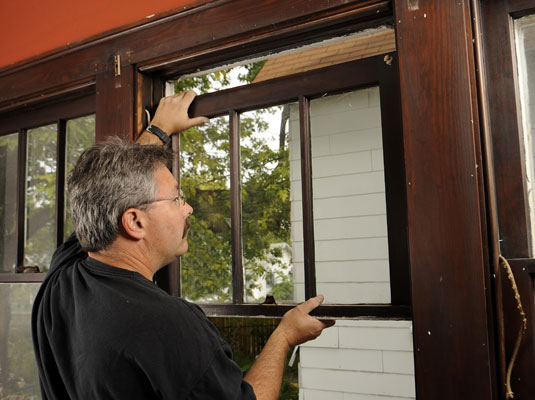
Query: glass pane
[80, 136]
[525, 51]
[41, 197]
[266, 205]
[350, 229]
[336, 50]
[8, 202]
[18, 370]
[206, 272]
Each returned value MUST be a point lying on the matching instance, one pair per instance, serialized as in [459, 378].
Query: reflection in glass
[206, 272]
[266, 204]
[80, 136]
[8, 202]
[350, 230]
[41, 197]
[18, 370]
[525, 53]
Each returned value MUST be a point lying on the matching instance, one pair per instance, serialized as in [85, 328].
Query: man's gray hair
[109, 178]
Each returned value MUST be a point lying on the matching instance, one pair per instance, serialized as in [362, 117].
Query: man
[101, 328]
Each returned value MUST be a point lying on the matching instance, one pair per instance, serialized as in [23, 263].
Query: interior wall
[32, 27]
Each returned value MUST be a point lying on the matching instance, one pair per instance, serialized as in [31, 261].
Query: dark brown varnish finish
[115, 104]
[453, 356]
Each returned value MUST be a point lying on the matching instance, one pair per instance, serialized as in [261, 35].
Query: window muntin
[8, 202]
[525, 57]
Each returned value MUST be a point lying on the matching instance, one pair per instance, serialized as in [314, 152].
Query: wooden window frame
[20, 121]
[301, 88]
[509, 222]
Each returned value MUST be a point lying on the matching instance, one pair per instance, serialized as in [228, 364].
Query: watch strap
[164, 137]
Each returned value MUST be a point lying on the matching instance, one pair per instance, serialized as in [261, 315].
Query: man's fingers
[312, 303]
[197, 121]
[327, 322]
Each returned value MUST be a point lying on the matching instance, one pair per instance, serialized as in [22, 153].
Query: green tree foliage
[205, 178]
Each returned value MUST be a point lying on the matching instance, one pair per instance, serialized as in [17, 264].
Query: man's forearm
[147, 138]
[265, 376]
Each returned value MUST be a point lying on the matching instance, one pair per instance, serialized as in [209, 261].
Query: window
[276, 188]
[35, 160]
[525, 54]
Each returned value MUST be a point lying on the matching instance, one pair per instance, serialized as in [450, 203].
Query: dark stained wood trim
[327, 311]
[60, 179]
[23, 278]
[186, 34]
[395, 189]
[235, 208]
[21, 195]
[312, 84]
[115, 104]
[488, 190]
[307, 197]
[522, 265]
[506, 128]
[444, 204]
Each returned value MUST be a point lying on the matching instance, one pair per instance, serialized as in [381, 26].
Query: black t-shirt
[102, 332]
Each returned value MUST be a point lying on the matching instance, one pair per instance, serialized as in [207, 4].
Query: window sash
[303, 87]
[58, 113]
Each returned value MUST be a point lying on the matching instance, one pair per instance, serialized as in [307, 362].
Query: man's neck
[115, 256]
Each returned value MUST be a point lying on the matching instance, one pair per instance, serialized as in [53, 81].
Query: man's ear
[133, 221]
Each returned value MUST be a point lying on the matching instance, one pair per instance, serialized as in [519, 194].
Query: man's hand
[298, 327]
[172, 113]
[172, 117]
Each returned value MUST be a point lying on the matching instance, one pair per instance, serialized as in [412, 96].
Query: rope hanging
[523, 326]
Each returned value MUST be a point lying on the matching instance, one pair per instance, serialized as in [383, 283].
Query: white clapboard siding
[357, 359]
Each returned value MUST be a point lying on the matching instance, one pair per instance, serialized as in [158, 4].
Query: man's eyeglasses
[180, 199]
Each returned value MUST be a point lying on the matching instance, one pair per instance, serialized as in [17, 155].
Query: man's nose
[189, 208]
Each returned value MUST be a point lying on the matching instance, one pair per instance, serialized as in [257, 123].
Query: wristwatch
[164, 137]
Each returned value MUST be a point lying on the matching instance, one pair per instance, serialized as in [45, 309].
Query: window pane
[8, 202]
[525, 50]
[80, 136]
[266, 204]
[350, 229]
[206, 272]
[41, 197]
[18, 370]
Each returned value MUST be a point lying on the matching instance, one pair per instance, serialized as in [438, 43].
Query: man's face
[168, 227]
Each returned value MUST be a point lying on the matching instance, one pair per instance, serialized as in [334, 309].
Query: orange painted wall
[32, 27]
